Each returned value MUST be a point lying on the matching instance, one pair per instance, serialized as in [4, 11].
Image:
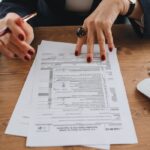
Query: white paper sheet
[18, 124]
[60, 91]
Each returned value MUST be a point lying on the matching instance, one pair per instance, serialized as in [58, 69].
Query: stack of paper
[66, 101]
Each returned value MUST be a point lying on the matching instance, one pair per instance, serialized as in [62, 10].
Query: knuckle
[103, 23]
[11, 18]
[89, 40]
[108, 36]
[9, 21]
[101, 40]
[109, 33]
[110, 43]
[89, 22]
[100, 23]
[107, 24]
[97, 22]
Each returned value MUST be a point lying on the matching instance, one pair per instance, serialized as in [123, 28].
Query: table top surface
[134, 59]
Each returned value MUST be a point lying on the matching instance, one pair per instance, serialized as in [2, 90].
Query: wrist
[123, 6]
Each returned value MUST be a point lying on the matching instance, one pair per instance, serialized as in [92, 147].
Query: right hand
[17, 42]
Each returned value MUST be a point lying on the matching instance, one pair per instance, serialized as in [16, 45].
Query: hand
[98, 26]
[17, 42]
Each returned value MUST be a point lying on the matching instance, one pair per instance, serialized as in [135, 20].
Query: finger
[109, 38]
[28, 30]
[17, 51]
[5, 51]
[79, 44]
[23, 46]
[101, 42]
[90, 44]
[20, 48]
[15, 29]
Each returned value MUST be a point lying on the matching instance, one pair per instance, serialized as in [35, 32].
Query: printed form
[75, 103]
[20, 119]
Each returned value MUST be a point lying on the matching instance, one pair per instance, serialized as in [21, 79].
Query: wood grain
[134, 60]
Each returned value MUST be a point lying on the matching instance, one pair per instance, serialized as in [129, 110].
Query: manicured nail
[89, 59]
[76, 53]
[21, 37]
[19, 21]
[103, 57]
[26, 58]
[30, 52]
[110, 49]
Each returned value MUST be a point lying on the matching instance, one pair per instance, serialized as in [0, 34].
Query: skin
[16, 43]
[98, 26]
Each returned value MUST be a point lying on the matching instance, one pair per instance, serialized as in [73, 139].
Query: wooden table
[134, 59]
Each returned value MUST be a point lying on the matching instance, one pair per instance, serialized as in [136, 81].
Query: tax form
[75, 103]
[20, 119]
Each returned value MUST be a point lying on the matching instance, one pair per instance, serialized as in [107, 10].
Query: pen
[26, 18]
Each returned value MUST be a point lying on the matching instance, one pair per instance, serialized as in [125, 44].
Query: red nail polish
[30, 52]
[21, 37]
[89, 59]
[110, 49]
[26, 58]
[76, 53]
[103, 57]
[19, 21]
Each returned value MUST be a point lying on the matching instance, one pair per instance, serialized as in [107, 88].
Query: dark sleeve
[17, 7]
[146, 8]
[143, 31]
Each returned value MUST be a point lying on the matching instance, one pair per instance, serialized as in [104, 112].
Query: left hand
[98, 26]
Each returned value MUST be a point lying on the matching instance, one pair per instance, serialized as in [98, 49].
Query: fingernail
[26, 58]
[103, 57]
[89, 59]
[19, 21]
[110, 49]
[21, 37]
[76, 53]
[30, 52]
